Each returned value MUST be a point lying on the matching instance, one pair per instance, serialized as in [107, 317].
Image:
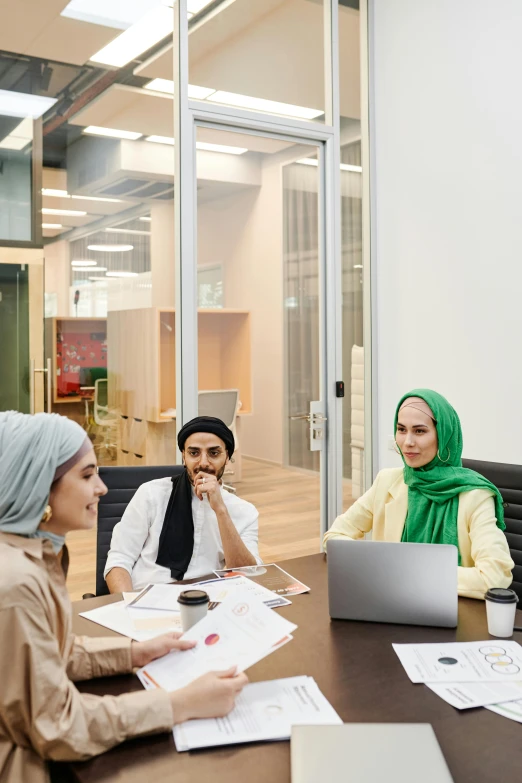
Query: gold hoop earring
[447, 458]
[46, 515]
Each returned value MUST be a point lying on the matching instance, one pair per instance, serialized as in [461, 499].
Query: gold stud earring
[46, 515]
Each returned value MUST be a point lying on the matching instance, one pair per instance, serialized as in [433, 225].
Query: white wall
[446, 223]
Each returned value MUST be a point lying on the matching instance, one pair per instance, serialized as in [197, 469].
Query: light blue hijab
[32, 449]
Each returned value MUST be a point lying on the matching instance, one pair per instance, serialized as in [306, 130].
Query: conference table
[357, 670]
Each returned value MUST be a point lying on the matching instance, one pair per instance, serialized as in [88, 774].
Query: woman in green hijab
[433, 499]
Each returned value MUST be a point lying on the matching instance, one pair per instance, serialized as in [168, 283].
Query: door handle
[304, 416]
[32, 370]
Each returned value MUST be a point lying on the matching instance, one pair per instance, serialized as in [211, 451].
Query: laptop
[381, 582]
[366, 753]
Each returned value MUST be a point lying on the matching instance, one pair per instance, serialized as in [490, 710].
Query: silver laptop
[367, 752]
[414, 584]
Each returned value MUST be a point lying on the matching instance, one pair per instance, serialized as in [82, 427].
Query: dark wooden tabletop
[359, 673]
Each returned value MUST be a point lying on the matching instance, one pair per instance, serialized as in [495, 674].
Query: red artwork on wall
[76, 354]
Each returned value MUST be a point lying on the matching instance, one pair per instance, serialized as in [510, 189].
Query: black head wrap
[176, 543]
[207, 424]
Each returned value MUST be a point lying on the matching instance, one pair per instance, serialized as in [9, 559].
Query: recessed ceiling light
[99, 198]
[128, 231]
[160, 85]
[199, 93]
[52, 225]
[96, 130]
[98, 278]
[202, 145]
[167, 86]
[195, 6]
[86, 262]
[55, 192]
[146, 219]
[111, 248]
[64, 212]
[308, 161]
[357, 266]
[89, 269]
[160, 139]
[147, 31]
[261, 104]
[122, 274]
[21, 104]
[349, 167]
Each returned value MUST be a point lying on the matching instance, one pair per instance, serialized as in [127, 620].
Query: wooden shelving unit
[76, 334]
[142, 373]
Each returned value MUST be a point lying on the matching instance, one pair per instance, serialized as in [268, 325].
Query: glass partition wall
[201, 210]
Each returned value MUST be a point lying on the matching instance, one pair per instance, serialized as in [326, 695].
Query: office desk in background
[358, 672]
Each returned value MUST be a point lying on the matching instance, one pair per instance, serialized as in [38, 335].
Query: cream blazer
[484, 551]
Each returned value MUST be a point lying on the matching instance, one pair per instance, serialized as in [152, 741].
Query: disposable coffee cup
[501, 605]
[193, 606]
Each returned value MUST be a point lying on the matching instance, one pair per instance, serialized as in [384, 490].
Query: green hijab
[434, 489]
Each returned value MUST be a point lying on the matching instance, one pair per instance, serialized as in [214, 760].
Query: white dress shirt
[135, 539]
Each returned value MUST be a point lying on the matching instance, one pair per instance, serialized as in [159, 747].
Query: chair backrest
[121, 483]
[508, 480]
[222, 403]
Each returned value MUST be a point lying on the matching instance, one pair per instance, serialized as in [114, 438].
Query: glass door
[22, 371]
[261, 333]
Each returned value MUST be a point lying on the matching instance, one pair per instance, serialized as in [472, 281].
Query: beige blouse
[42, 714]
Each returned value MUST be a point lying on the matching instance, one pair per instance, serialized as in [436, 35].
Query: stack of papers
[469, 674]
[270, 576]
[264, 711]
[240, 632]
[138, 624]
[165, 596]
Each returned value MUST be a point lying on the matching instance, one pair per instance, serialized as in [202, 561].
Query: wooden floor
[288, 505]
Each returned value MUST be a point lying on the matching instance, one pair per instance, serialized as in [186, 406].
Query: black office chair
[508, 480]
[122, 483]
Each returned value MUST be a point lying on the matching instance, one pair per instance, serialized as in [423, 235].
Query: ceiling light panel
[64, 212]
[119, 14]
[202, 145]
[86, 262]
[52, 225]
[146, 219]
[147, 31]
[128, 231]
[160, 139]
[167, 86]
[96, 130]
[55, 192]
[99, 198]
[261, 104]
[89, 269]
[111, 248]
[21, 104]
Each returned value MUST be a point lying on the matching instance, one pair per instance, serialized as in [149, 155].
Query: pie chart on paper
[212, 638]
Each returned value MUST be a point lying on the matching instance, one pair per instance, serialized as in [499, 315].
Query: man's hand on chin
[208, 484]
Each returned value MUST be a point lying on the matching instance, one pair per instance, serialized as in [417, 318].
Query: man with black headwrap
[187, 526]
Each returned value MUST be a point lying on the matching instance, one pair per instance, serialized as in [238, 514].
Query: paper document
[510, 709]
[270, 576]
[263, 711]
[462, 661]
[464, 695]
[240, 632]
[138, 624]
[166, 596]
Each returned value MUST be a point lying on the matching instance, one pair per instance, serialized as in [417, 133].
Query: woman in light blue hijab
[35, 451]
[49, 485]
